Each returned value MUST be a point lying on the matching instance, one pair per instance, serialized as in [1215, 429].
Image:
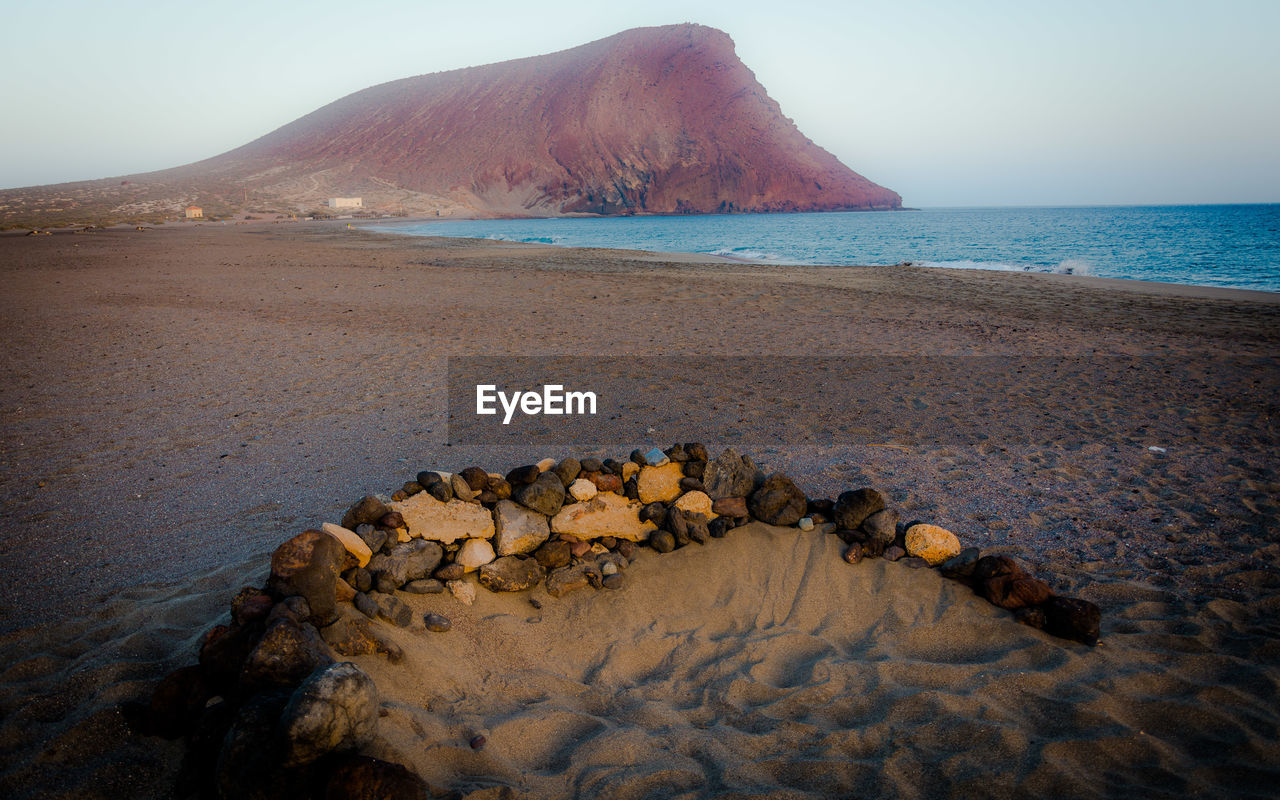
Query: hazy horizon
[994, 104]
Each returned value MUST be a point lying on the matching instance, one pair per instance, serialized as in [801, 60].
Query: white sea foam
[1074, 266]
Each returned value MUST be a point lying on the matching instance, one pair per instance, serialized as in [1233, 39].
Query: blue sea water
[1236, 246]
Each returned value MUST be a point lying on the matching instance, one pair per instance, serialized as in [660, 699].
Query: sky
[976, 103]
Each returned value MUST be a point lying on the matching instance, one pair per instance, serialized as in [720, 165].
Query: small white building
[346, 202]
[195, 212]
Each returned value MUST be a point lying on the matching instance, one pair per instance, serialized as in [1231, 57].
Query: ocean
[1236, 246]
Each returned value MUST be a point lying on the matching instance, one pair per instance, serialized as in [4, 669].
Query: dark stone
[824, 507]
[177, 702]
[511, 574]
[204, 742]
[690, 484]
[989, 567]
[638, 457]
[1073, 618]
[655, 513]
[852, 508]
[294, 608]
[553, 554]
[286, 653]
[697, 451]
[521, 476]
[407, 561]
[411, 488]
[961, 565]
[677, 453]
[374, 537]
[592, 465]
[365, 605]
[719, 527]
[694, 469]
[351, 636]
[577, 576]
[384, 582]
[365, 778]
[423, 586]
[609, 542]
[1008, 591]
[398, 496]
[441, 490]
[335, 710]
[627, 549]
[487, 498]
[729, 475]
[881, 527]
[778, 501]
[579, 548]
[544, 495]
[730, 507]
[853, 553]
[223, 652]
[450, 572]
[874, 549]
[478, 742]
[613, 466]
[246, 765]
[437, 623]
[308, 565]
[250, 605]
[360, 579]
[366, 509]
[631, 489]
[615, 581]
[426, 478]
[567, 470]
[687, 526]
[461, 489]
[476, 478]
[662, 541]
[892, 552]
[500, 488]
[394, 610]
[1031, 616]
[915, 563]
[849, 537]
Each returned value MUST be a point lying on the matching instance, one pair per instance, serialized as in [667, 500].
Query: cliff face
[652, 120]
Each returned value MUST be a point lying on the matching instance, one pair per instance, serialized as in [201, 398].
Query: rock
[853, 554]
[1073, 618]
[630, 469]
[694, 469]
[351, 636]
[1031, 616]
[914, 562]
[891, 553]
[474, 554]
[579, 549]
[592, 465]
[654, 512]
[546, 464]
[394, 610]
[385, 583]
[437, 623]
[511, 574]
[365, 605]
[822, 507]
[852, 508]
[730, 507]
[659, 484]
[614, 582]
[462, 591]
[697, 502]
[441, 490]
[368, 509]
[582, 489]
[697, 451]
[426, 478]
[364, 778]
[607, 482]
[608, 568]
[177, 702]
[686, 526]
[450, 572]
[676, 453]
[606, 514]
[631, 489]
[407, 562]
[353, 543]
[729, 475]
[428, 518]
[961, 566]
[409, 488]
[824, 528]
[688, 484]
[932, 543]
[567, 470]
[461, 489]
[286, 654]
[391, 520]
[719, 527]
[778, 501]
[250, 605]
[627, 549]
[500, 488]
[1009, 591]
[989, 567]
[307, 565]
[334, 710]
[805, 524]
[662, 541]
[476, 478]
[372, 536]
[423, 586]
[343, 592]
[246, 766]
[544, 495]
[487, 498]
[478, 742]
[521, 476]
[881, 527]
[518, 529]
[654, 458]
[553, 554]
[567, 579]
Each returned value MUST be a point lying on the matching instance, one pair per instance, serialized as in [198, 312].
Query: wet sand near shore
[177, 401]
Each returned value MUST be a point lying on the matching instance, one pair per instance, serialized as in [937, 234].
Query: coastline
[179, 400]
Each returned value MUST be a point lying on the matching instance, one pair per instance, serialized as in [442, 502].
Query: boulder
[544, 495]
[932, 543]
[428, 518]
[286, 653]
[246, 767]
[852, 508]
[368, 509]
[607, 482]
[476, 478]
[474, 554]
[659, 484]
[1073, 618]
[353, 543]
[729, 475]
[518, 529]
[335, 710]
[778, 501]
[881, 528]
[511, 574]
[307, 565]
[407, 562]
[606, 514]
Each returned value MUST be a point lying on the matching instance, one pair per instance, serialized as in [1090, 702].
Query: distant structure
[346, 202]
[195, 212]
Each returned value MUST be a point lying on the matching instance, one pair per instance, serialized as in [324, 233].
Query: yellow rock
[428, 518]
[932, 543]
[660, 484]
[606, 514]
[354, 544]
[629, 470]
[697, 502]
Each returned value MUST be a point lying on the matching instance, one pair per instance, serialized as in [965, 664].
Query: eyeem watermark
[553, 400]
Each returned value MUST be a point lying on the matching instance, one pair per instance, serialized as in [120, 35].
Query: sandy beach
[179, 400]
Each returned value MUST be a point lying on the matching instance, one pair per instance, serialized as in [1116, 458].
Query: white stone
[518, 529]
[697, 502]
[805, 524]
[354, 544]
[606, 514]
[659, 484]
[428, 518]
[463, 591]
[474, 554]
[608, 568]
[583, 489]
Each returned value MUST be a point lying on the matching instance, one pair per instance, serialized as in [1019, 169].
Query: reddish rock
[308, 565]
[730, 507]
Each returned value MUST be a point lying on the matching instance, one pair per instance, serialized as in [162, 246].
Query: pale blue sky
[975, 103]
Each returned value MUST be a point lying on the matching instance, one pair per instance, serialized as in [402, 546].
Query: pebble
[437, 623]
[805, 524]
[423, 586]
[853, 554]
[478, 742]
[615, 581]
